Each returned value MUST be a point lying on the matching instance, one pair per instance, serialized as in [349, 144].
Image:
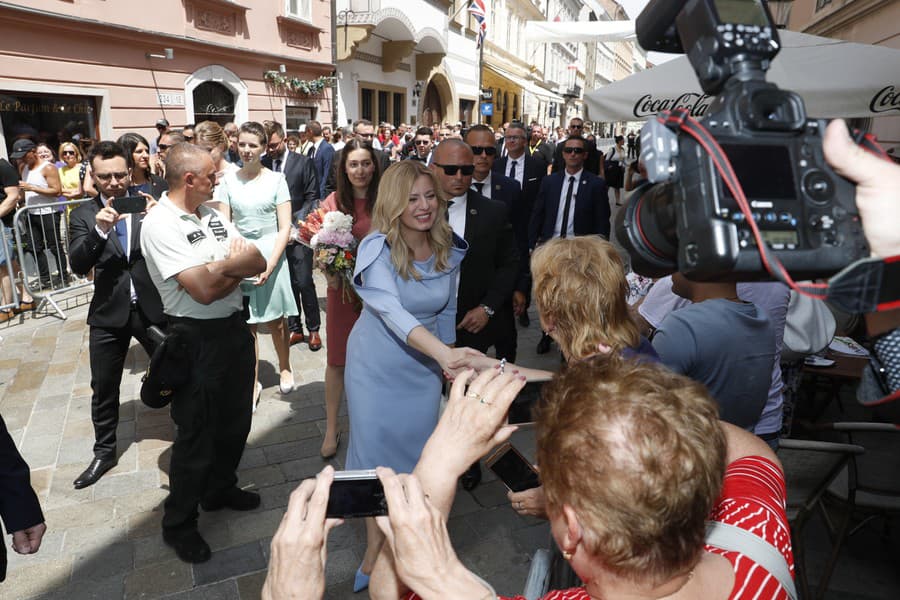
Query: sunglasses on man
[573, 150]
[451, 170]
[487, 150]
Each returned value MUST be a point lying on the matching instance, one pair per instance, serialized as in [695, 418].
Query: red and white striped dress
[753, 498]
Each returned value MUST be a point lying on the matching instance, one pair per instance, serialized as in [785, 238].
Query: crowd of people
[655, 426]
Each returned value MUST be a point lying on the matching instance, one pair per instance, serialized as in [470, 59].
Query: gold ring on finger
[483, 401]
[474, 396]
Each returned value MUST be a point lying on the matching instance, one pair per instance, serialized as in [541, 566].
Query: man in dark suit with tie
[528, 170]
[304, 187]
[125, 301]
[488, 272]
[570, 202]
[493, 185]
[593, 161]
[20, 510]
[321, 153]
[364, 130]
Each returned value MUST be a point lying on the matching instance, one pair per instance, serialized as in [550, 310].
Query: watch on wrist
[487, 310]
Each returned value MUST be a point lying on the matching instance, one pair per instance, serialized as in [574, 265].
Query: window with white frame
[298, 9]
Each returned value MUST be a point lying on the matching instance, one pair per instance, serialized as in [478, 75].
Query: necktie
[564, 228]
[478, 186]
[277, 165]
[512, 169]
[449, 204]
[122, 234]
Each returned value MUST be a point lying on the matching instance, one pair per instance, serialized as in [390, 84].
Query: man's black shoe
[95, 471]
[471, 478]
[543, 346]
[189, 546]
[524, 321]
[235, 499]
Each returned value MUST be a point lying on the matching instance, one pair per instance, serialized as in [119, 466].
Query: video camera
[688, 217]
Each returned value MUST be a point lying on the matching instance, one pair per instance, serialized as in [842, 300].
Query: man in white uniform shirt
[197, 260]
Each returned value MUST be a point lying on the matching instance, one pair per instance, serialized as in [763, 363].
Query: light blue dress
[253, 211]
[394, 391]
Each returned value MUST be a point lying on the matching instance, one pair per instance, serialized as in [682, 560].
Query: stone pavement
[104, 541]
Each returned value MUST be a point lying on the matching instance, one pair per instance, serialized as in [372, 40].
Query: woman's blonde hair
[579, 284]
[639, 454]
[393, 198]
[210, 133]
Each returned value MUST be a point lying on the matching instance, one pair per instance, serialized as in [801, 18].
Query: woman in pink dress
[357, 185]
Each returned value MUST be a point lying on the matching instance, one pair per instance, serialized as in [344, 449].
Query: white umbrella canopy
[579, 31]
[834, 77]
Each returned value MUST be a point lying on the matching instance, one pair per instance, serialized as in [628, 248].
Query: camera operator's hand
[297, 565]
[877, 188]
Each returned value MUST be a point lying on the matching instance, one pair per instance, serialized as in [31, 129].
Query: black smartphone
[356, 494]
[522, 408]
[514, 471]
[129, 204]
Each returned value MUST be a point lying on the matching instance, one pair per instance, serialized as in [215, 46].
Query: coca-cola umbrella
[834, 77]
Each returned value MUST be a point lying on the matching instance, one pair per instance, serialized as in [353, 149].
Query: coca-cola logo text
[648, 105]
[886, 99]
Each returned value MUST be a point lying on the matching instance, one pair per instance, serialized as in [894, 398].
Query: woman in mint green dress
[257, 200]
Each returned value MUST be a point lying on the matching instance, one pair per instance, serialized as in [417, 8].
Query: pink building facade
[99, 68]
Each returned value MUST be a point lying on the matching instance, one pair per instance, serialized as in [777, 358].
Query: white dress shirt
[485, 188]
[570, 226]
[520, 168]
[457, 213]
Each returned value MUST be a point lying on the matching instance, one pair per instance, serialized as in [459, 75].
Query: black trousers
[500, 332]
[108, 348]
[300, 262]
[43, 234]
[212, 413]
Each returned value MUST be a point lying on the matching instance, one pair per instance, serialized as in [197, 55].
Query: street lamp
[168, 54]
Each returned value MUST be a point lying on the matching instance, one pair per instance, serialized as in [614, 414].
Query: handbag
[169, 368]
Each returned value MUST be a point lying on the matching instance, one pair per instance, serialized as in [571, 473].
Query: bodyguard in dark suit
[304, 187]
[364, 130]
[20, 510]
[125, 301]
[561, 213]
[491, 184]
[528, 171]
[321, 153]
[488, 272]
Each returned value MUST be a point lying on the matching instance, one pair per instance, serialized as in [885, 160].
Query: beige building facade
[99, 68]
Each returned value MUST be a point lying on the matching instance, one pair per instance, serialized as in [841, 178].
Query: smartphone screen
[129, 204]
[520, 411]
[356, 494]
[513, 470]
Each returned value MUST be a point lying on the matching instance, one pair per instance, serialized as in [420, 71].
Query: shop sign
[170, 99]
[487, 109]
[34, 106]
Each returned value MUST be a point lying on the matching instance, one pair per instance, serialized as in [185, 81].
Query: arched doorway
[433, 111]
[213, 102]
[223, 78]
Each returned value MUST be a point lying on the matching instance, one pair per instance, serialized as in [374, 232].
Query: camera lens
[646, 229]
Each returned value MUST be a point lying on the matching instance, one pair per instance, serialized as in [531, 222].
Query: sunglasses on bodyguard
[488, 150]
[573, 150]
[451, 170]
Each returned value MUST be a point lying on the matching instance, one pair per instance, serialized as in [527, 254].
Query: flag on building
[478, 8]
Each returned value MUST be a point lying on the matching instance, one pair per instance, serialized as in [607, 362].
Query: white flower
[337, 221]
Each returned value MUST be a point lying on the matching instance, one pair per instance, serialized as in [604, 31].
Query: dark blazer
[111, 303]
[591, 209]
[19, 506]
[302, 182]
[384, 161]
[593, 162]
[322, 161]
[158, 185]
[535, 171]
[489, 270]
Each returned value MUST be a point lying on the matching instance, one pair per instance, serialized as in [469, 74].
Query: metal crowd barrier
[44, 239]
[4, 244]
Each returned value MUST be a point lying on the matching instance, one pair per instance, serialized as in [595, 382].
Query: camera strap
[868, 285]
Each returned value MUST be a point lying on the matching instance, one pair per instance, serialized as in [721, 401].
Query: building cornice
[827, 22]
[81, 26]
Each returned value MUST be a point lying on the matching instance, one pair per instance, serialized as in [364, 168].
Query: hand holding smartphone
[129, 204]
[512, 469]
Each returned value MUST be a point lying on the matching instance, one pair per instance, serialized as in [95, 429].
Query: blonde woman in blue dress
[257, 200]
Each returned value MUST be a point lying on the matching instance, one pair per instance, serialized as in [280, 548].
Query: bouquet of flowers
[329, 235]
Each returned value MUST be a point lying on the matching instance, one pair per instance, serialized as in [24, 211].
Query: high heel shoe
[286, 389]
[258, 389]
[361, 581]
[330, 452]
